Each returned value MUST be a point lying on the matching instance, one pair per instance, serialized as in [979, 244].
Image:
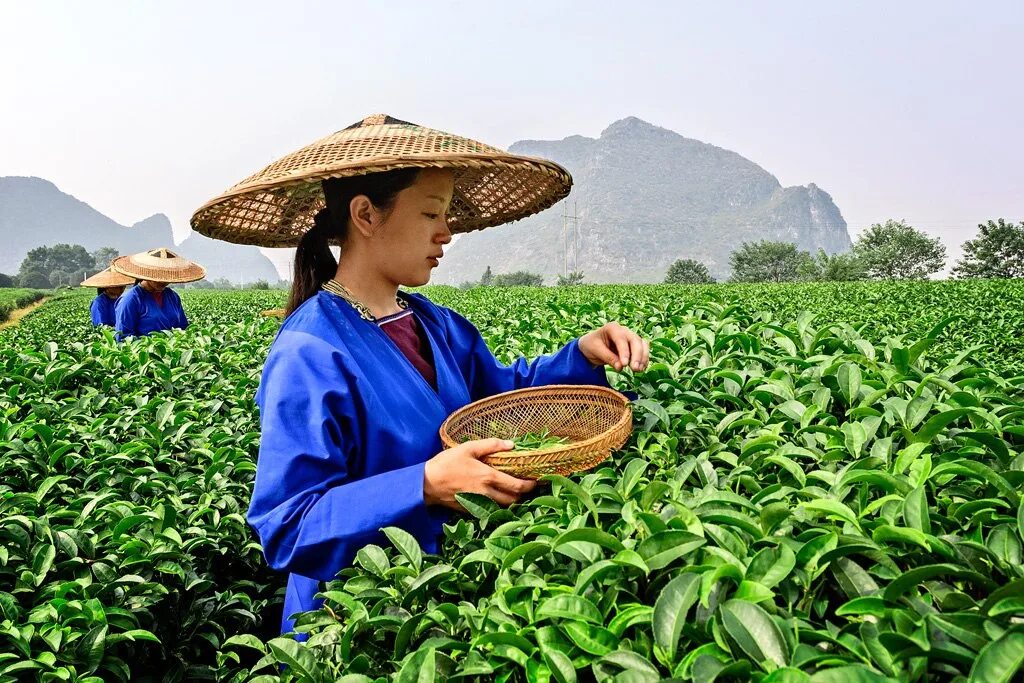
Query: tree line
[890, 251]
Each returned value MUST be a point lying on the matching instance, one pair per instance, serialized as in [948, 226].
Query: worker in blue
[361, 374]
[152, 306]
[109, 286]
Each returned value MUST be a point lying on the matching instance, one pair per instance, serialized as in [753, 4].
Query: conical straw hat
[275, 206]
[108, 278]
[159, 265]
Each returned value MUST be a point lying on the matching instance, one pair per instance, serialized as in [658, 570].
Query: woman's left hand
[617, 346]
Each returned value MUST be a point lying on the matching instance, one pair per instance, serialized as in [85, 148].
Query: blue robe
[102, 310]
[137, 313]
[348, 423]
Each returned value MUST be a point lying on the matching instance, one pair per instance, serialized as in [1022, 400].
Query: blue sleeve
[126, 317]
[311, 514]
[96, 311]
[486, 376]
[182, 320]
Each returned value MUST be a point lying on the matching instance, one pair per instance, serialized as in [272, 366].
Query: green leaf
[670, 610]
[665, 547]
[295, 656]
[1000, 659]
[756, 633]
[849, 378]
[569, 607]
[478, 505]
[832, 508]
[590, 535]
[419, 668]
[752, 591]
[876, 607]
[854, 673]
[910, 579]
[560, 665]
[92, 647]
[915, 511]
[771, 565]
[590, 638]
[406, 545]
[373, 559]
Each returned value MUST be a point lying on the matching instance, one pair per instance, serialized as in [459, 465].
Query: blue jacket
[137, 313]
[348, 423]
[102, 310]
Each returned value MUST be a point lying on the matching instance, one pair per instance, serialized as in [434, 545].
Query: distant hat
[159, 265]
[107, 278]
[276, 206]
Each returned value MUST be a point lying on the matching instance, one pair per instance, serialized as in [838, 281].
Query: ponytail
[314, 262]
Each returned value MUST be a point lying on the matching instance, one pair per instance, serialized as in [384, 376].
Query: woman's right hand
[459, 470]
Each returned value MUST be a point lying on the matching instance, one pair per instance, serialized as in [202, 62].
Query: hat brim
[107, 278]
[185, 272]
[489, 190]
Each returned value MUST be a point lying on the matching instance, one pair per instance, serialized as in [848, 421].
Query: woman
[361, 375]
[109, 286]
[152, 306]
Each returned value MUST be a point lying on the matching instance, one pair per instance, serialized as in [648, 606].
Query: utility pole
[570, 235]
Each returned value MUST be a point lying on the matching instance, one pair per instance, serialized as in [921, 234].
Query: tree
[767, 261]
[997, 252]
[61, 262]
[33, 279]
[573, 278]
[897, 251]
[6, 280]
[102, 257]
[688, 272]
[844, 267]
[487, 278]
[261, 284]
[520, 278]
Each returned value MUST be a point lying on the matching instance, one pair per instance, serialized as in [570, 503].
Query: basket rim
[509, 457]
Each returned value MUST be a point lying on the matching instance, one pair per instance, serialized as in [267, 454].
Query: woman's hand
[459, 470]
[617, 346]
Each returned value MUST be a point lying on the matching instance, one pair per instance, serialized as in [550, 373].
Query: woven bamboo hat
[159, 265]
[275, 206]
[108, 278]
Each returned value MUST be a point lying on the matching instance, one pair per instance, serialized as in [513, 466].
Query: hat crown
[379, 120]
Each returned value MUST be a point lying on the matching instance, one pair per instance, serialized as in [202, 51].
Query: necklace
[338, 289]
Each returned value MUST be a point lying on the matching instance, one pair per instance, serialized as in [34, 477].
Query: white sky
[906, 110]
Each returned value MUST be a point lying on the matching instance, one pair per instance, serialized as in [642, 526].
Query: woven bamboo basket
[274, 313]
[595, 420]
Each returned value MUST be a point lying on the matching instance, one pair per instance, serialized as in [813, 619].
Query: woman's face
[153, 286]
[408, 243]
[114, 292]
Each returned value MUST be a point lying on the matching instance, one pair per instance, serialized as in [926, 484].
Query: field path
[19, 313]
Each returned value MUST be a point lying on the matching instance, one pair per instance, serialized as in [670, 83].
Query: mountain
[34, 212]
[646, 196]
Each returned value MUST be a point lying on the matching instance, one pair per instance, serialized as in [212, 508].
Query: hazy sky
[908, 110]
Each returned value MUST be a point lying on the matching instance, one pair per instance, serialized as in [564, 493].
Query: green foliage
[898, 251]
[997, 252]
[688, 272]
[520, 278]
[14, 298]
[823, 267]
[6, 281]
[767, 261]
[487, 278]
[823, 483]
[102, 257]
[260, 284]
[571, 280]
[59, 264]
